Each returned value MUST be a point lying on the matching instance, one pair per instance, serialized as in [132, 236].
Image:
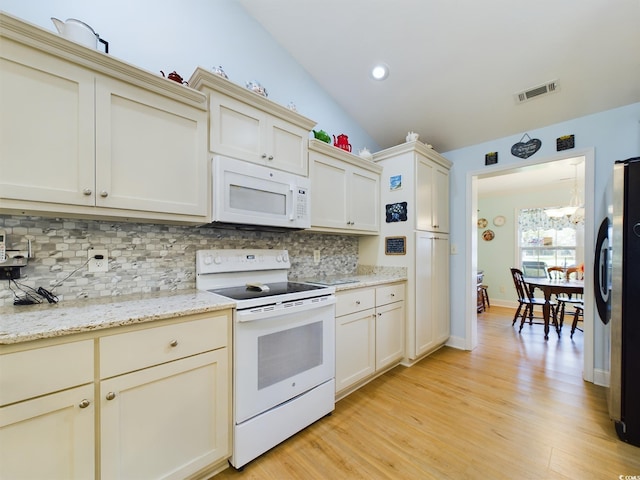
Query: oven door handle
[273, 311]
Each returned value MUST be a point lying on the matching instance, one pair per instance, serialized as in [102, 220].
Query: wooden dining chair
[527, 300]
[577, 315]
[564, 274]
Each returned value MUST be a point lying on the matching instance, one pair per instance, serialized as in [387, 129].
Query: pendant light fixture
[575, 210]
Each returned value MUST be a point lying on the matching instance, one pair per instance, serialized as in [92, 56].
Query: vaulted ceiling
[455, 65]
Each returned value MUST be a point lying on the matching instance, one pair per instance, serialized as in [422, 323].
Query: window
[546, 239]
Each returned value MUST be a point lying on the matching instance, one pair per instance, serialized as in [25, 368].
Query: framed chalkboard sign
[395, 245]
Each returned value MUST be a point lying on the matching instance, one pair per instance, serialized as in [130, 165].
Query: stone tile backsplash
[148, 257]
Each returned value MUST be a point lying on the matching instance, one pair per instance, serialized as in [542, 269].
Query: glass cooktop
[279, 288]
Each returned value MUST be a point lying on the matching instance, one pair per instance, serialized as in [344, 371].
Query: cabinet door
[424, 294]
[389, 334]
[365, 200]
[355, 348]
[329, 192]
[236, 129]
[46, 128]
[441, 199]
[49, 437]
[287, 147]
[432, 192]
[167, 421]
[441, 304]
[432, 292]
[150, 151]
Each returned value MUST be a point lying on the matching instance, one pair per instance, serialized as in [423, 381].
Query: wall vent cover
[537, 91]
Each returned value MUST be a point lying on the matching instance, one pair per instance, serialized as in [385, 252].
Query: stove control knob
[279, 258]
[207, 260]
[285, 258]
[217, 260]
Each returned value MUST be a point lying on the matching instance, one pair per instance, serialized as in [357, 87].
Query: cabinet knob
[264, 155]
[270, 157]
[110, 396]
[393, 295]
[357, 302]
[87, 191]
[173, 343]
[104, 194]
[84, 403]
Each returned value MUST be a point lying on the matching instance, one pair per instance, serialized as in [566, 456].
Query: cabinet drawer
[44, 370]
[355, 301]
[131, 351]
[389, 294]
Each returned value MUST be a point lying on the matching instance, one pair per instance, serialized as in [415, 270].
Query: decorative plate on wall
[488, 235]
[482, 222]
[499, 220]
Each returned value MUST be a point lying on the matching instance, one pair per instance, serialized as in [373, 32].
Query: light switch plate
[98, 264]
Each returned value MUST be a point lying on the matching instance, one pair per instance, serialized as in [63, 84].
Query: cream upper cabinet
[247, 126]
[345, 191]
[432, 196]
[85, 134]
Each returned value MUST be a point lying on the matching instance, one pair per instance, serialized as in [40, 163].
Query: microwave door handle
[292, 206]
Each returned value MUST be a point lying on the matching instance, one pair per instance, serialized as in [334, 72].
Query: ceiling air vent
[538, 90]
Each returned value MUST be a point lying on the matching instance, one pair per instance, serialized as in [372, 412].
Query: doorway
[589, 238]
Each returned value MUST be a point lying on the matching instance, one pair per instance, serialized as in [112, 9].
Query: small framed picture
[395, 182]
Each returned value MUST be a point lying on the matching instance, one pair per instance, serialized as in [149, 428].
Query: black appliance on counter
[624, 389]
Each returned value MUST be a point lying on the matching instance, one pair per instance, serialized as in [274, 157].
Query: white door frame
[471, 248]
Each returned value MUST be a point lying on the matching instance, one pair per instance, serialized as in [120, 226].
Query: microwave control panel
[302, 204]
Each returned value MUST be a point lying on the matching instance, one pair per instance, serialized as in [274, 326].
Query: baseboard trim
[601, 377]
[456, 342]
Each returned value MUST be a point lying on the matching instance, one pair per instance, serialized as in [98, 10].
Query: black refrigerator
[624, 388]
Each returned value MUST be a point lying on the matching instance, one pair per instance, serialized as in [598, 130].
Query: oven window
[254, 200]
[284, 354]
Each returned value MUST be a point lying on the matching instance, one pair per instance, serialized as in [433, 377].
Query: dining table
[551, 287]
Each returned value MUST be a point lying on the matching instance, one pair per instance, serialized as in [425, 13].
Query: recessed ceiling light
[380, 71]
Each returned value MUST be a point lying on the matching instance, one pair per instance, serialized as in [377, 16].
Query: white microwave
[248, 194]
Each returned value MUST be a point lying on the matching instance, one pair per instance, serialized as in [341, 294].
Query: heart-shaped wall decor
[526, 149]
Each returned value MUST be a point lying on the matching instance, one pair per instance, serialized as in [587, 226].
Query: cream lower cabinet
[82, 133]
[160, 397]
[432, 324]
[369, 334]
[48, 414]
[345, 191]
[166, 412]
[250, 127]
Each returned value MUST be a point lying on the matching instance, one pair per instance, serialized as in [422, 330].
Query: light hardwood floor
[516, 407]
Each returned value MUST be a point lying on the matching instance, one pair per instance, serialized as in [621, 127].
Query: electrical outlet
[454, 249]
[316, 256]
[98, 264]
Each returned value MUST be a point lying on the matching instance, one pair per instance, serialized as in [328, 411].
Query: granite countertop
[349, 282]
[32, 322]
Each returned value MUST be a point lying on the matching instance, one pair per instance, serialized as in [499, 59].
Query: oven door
[281, 355]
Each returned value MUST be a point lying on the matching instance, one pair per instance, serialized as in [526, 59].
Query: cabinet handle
[357, 302]
[393, 295]
[84, 403]
[104, 194]
[87, 191]
[379, 314]
[264, 155]
[173, 343]
[270, 157]
[110, 396]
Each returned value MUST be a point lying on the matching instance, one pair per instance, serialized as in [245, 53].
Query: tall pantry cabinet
[414, 234]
